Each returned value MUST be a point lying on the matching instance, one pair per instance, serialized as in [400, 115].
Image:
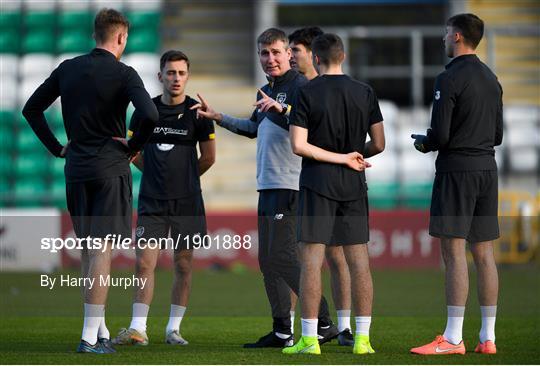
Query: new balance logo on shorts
[278, 217]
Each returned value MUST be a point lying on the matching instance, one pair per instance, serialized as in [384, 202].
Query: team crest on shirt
[139, 231]
[281, 97]
[437, 95]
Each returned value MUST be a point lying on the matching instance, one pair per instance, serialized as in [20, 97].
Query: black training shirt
[171, 166]
[467, 117]
[95, 90]
[338, 112]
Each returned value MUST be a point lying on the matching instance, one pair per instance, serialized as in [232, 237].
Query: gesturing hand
[267, 104]
[420, 143]
[205, 110]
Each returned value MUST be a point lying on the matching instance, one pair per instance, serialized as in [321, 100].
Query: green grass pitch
[40, 326]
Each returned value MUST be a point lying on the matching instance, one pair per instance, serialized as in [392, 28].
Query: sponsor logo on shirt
[170, 131]
[180, 115]
[165, 147]
[281, 97]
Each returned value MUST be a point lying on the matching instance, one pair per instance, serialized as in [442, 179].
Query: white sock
[489, 314]
[92, 319]
[139, 316]
[309, 327]
[454, 324]
[362, 325]
[292, 322]
[175, 318]
[282, 335]
[103, 332]
[343, 320]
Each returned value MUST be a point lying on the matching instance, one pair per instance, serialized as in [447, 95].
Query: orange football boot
[487, 348]
[440, 346]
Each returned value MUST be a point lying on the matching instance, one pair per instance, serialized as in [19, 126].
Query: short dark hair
[328, 47]
[470, 26]
[272, 35]
[305, 36]
[107, 22]
[173, 55]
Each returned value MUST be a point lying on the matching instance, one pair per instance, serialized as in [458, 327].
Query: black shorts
[464, 205]
[183, 218]
[100, 207]
[323, 220]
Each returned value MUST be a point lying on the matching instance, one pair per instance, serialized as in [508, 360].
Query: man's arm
[207, 150]
[33, 110]
[377, 141]
[499, 126]
[138, 161]
[146, 108]
[302, 147]
[245, 127]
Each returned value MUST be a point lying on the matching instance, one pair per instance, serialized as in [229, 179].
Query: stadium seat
[39, 19]
[9, 41]
[31, 165]
[523, 134]
[39, 41]
[143, 5]
[6, 165]
[114, 4]
[60, 133]
[416, 195]
[7, 118]
[144, 63]
[143, 40]
[8, 94]
[518, 114]
[9, 19]
[417, 167]
[144, 19]
[80, 19]
[30, 192]
[57, 193]
[27, 88]
[27, 141]
[383, 195]
[36, 65]
[9, 65]
[6, 138]
[71, 5]
[57, 168]
[74, 42]
[525, 160]
[54, 118]
[384, 168]
[152, 85]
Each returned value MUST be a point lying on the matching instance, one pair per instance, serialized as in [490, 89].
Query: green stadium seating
[5, 192]
[39, 41]
[31, 165]
[9, 20]
[9, 41]
[57, 168]
[54, 118]
[60, 133]
[30, 192]
[74, 42]
[6, 139]
[57, 193]
[7, 118]
[76, 20]
[383, 196]
[416, 195]
[27, 141]
[143, 40]
[144, 19]
[6, 165]
[39, 19]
